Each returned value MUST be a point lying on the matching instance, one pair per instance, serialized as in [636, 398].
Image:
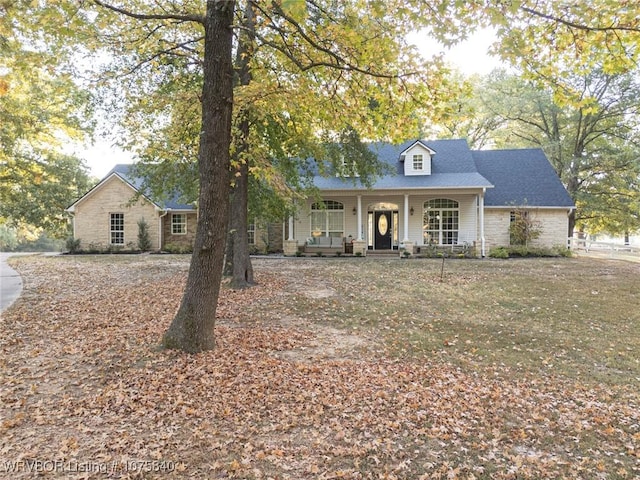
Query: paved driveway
[10, 283]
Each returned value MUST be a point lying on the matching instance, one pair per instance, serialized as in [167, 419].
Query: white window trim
[327, 232]
[112, 231]
[184, 215]
[418, 157]
[439, 211]
[251, 233]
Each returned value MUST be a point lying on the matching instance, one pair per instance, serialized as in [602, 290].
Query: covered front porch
[372, 222]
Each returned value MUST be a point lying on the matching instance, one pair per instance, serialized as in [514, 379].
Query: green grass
[574, 317]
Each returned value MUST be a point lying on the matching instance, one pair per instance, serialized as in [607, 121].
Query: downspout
[481, 214]
[290, 228]
[164, 214]
[406, 218]
[359, 220]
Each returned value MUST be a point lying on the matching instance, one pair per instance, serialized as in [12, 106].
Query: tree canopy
[320, 69]
[41, 108]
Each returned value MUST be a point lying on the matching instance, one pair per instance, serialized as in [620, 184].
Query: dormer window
[347, 169]
[417, 159]
[418, 162]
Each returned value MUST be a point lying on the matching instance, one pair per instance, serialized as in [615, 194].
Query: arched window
[327, 219]
[440, 222]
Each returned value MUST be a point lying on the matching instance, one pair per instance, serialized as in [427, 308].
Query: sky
[469, 57]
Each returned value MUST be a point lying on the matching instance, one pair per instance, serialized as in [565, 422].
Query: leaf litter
[83, 383]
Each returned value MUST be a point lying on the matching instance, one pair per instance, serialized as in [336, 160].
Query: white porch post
[359, 217]
[359, 245]
[290, 245]
[290, 228]
[406, 218]
[481, 215]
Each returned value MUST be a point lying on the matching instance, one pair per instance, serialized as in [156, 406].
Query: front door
[383, 227]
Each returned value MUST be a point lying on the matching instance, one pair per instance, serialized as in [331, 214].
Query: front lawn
[330, 368]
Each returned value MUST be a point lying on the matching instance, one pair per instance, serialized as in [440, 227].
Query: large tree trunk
[238, 261]
[192, 328]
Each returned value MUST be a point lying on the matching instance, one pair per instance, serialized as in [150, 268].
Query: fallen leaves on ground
[84, 386]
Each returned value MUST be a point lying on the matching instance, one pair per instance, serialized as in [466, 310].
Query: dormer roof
[414, 144]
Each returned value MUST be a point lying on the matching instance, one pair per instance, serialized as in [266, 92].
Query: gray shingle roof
[124, 171]
[452, 166]
[521, 177]
[511, 177]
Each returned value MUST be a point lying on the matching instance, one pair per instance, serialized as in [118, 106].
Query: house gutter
[164, 214]
[481, 213]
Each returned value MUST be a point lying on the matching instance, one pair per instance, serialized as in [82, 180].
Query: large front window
[116, 229]
[327, 219]
[440, 222]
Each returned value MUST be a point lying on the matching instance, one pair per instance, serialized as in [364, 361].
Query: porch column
[406, 218]
[290, 228]
[481, 216]
[359, 217]
[359, 245]
[290, 246]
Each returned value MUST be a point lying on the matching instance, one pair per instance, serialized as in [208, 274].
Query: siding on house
[92, 216]
[467, 204]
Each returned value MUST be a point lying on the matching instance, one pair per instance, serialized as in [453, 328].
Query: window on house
[418, 162]
[347, 169]
[251, 233]
[179, 224]
[116, 229]
[440, 222]
[327, 219]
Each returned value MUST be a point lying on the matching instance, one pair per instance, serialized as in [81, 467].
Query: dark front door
[383, 227]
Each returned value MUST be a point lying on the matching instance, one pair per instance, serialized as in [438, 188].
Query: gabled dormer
[417, 159]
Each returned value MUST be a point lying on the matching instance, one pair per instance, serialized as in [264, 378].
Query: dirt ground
[85, 391]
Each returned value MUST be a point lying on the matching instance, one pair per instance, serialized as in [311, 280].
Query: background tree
[592, 144]
[305, 50]
[41, 108]
[293, 100]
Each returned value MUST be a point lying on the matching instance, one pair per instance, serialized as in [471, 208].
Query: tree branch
[151, 16]
[334, 60]
[579, 26]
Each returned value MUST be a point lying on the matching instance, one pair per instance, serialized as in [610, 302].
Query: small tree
[523, 228]
[144, 241]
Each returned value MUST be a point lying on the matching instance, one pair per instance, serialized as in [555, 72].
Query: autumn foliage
[283, 395]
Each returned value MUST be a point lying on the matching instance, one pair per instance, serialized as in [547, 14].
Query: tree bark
[238, 260]
[192, 328]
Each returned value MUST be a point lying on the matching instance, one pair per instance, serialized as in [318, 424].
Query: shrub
[525, 251]
[562, 251]
[499, 252]
[175, 248]
[73, 245]
[144, 241]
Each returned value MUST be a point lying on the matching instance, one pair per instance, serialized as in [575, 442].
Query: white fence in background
[605, 249]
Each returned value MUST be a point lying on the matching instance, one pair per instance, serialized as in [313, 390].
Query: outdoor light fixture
[411, 211]
[354, 210]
